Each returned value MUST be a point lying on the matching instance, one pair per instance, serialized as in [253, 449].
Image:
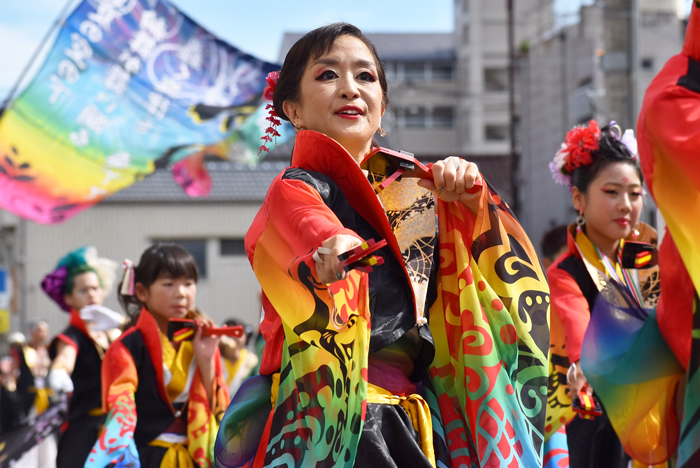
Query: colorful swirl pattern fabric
[490, 325]
[323, 378]
[556, 450]
[124, 82]
[559, 410]
[634, 372]
[669, 138]
[491, 329]
[116, 442]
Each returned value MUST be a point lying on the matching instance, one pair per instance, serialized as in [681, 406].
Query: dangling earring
[580, 220]
[296, 128]
[381, 132]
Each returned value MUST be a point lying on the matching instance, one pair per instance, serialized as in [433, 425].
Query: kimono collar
[317, 152]
[579, 244]
[77, 321]
[150, 332]
[692, 35]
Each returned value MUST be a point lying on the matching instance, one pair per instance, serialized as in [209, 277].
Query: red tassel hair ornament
[271, 132]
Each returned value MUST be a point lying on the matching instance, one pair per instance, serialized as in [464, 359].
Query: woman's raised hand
[326, 257]
[453, 177]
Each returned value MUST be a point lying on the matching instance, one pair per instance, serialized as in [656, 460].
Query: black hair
[73, 273]
[313, 45]
[610, 150]
[156, 261]
[553, 240]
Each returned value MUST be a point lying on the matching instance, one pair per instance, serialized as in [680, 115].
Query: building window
[496, 132]
[444, 117]
[415, 117]
[647, 63]
[414, 70]
[495, 79]
[443, 71]
[231, 247]
[197, 248]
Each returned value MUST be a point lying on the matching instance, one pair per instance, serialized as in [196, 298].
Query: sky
[255, 27]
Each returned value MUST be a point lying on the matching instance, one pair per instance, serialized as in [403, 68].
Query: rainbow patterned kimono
[489, 323]
[669, 146]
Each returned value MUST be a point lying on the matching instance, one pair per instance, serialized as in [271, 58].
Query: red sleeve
[296, 210]
[571, 307]
[292, 223]
[119, 374]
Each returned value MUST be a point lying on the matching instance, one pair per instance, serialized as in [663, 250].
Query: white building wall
[125, 231]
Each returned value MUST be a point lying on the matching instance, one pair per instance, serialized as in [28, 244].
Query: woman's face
[612, 204]
[341, 96]
[87, 290]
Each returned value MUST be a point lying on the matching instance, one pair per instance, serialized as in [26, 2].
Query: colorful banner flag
[125, 81]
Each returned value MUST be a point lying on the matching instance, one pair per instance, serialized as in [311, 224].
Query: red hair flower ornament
[575, 152]
[271, 130]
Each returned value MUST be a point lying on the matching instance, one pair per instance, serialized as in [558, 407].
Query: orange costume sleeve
[571, 308]
[119, 383]
[296, 209]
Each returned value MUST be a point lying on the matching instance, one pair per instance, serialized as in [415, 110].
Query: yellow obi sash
[178, 368]
[177, 455]
[414, 405]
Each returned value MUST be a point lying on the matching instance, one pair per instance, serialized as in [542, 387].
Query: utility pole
[514, 156]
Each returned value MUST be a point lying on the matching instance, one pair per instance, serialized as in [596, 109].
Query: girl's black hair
[611, 150]
[313, 45]
[158, 260]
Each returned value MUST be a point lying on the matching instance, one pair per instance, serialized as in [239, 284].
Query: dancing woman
[437, 357]
[601, 169]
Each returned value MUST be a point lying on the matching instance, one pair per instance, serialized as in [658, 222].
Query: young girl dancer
[162, 398]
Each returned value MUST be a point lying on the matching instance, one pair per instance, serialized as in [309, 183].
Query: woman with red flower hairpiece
[601, 170]
[406, 357]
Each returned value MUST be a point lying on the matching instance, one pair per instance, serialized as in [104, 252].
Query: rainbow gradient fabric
[125, 82]
[669, 142]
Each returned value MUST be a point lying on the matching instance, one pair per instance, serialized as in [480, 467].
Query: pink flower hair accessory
[575, 152]
[268, 94]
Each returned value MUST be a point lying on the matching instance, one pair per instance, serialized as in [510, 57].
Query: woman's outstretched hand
[452, 178]
[326, 258]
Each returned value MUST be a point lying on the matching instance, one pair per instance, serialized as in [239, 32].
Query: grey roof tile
[231, 182]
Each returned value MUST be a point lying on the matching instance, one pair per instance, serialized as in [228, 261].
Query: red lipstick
[349, 112]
